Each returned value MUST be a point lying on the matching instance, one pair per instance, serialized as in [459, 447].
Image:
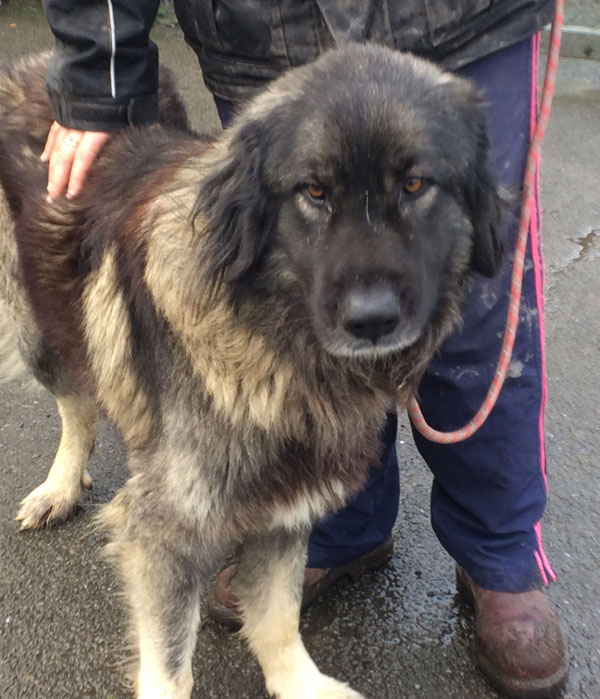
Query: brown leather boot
[519, 643]
[222, 602]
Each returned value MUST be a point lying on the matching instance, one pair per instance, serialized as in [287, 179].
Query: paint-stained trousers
[488, 492]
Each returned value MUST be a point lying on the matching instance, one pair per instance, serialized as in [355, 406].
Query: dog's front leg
[162, 586]
[164, 597]
[268, 583]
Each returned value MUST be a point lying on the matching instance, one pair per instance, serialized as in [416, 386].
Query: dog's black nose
[370, 313]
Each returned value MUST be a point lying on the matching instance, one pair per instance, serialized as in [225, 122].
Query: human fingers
[71, 154]
[60, 159]
[85, 154]
[49, 146]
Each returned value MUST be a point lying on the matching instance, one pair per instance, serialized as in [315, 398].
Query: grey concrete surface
[393, 634]
[585, 13]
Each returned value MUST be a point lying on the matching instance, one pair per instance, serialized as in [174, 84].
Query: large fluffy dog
[245, 309]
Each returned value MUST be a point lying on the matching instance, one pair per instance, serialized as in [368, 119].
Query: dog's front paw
[318, 687]
[332, 689]
[48, 505]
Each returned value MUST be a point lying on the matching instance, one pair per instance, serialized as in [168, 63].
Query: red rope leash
[533, 158]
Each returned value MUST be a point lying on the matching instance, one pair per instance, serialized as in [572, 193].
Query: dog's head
[367, 176]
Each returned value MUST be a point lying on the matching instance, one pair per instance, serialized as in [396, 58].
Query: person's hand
[70, 154]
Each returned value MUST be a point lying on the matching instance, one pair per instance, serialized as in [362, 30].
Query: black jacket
[103, 72]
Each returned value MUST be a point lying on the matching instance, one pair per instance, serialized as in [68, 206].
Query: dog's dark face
[372, 186]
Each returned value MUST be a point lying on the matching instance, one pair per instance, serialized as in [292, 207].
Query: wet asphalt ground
[397, 633]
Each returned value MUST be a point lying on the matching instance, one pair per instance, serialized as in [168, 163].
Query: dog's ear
[488, 206]
[234, 205]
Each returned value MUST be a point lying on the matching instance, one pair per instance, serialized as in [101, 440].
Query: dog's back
[25, 120]
[47, 253]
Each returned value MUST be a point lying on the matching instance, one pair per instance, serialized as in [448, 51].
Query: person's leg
[366, 522]
[489, 492]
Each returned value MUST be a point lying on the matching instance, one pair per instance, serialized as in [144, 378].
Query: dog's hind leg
[54, 500]
[268, 583]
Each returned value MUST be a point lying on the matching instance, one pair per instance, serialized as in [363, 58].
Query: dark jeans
[489, 492]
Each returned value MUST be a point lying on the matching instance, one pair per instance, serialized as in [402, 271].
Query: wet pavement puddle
[588, 244]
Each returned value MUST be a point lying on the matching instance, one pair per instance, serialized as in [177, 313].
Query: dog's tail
[25, 119]
[12, 365]
[18, 332]
[24, 104]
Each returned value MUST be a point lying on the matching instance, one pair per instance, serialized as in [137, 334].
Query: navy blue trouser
[489, 492]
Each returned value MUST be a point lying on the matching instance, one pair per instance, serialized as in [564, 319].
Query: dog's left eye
[412, 185]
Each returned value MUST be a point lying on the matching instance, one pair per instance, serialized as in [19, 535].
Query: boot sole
[543, 688]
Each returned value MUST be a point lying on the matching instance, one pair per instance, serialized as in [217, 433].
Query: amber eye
[315, 192]
[413, 184]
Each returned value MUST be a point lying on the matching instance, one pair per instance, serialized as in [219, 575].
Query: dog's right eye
[412, 185]
[315, 193]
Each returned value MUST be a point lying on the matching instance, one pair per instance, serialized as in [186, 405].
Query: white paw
[154, 684]
[332, 689]
[321, 687]
[48, 505]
